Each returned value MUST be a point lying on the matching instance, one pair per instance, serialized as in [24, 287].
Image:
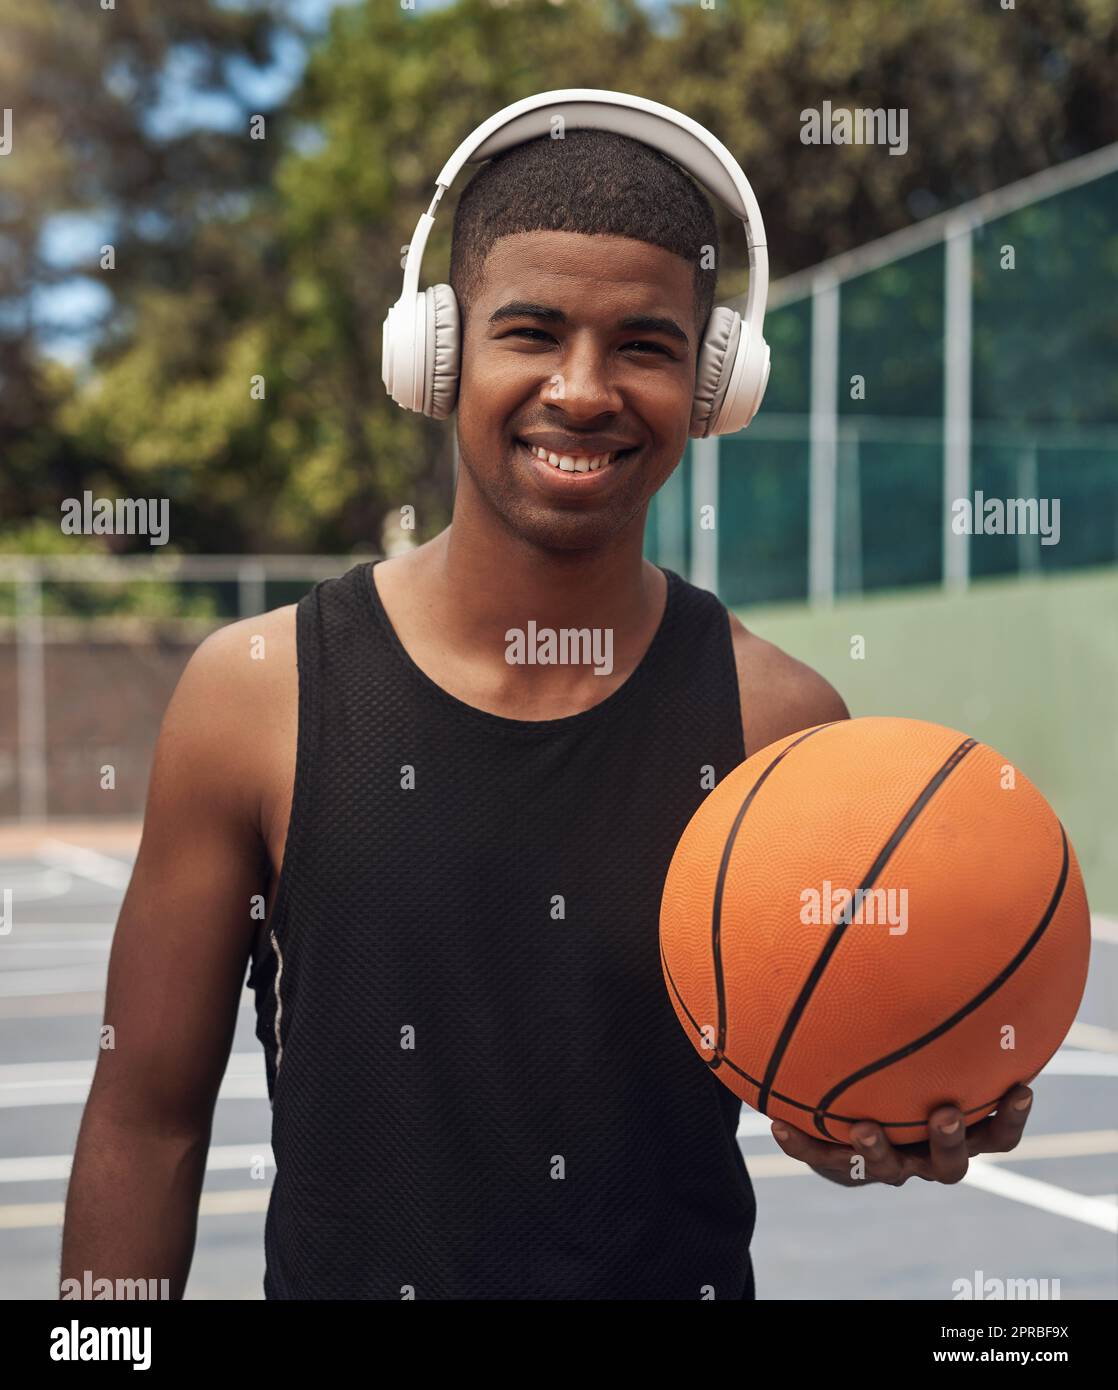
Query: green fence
[976, 353]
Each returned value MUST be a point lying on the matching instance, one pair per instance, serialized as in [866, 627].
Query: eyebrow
[636, 323]
[522, 309]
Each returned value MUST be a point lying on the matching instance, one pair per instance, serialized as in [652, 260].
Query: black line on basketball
[675, 990]
[961, 1013]
[848, 1119]
[831, 945]
[799, 1104]
[727, 849]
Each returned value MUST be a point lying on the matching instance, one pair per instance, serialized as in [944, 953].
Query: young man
[479, 1085]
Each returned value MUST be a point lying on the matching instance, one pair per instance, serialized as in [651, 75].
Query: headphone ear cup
[714, 368]
[420, 349]
[443, 351]
[748, 377]
[401, 352]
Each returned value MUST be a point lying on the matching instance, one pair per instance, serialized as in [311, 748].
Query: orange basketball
[870, 919]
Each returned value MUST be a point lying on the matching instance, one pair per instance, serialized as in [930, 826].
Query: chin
[568, 531]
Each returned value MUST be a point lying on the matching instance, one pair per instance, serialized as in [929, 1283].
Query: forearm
[132, 1204]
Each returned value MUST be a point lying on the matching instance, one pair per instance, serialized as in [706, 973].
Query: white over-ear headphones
[422, 334]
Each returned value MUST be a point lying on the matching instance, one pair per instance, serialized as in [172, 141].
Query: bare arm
[177, 965]
[779, 695]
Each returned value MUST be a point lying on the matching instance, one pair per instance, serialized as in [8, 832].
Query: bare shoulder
[240, 668]
[234, 709]
[249, 648]
[779, 695]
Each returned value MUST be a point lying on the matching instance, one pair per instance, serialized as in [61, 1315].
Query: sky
[66, 314]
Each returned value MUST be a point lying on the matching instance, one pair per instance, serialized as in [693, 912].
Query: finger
[815, 1152]
[1002, 1131]
[947, 1143]
[883, 1162]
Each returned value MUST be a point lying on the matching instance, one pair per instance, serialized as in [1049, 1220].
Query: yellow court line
[1082, 1143]
[235, 1202]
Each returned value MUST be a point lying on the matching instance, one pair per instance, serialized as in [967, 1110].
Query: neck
[478, 580]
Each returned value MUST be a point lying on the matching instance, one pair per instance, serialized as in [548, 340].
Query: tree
[275, 261]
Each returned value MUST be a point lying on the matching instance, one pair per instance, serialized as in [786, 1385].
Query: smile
[572, 462]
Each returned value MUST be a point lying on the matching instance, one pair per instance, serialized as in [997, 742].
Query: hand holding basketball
[944, 1158]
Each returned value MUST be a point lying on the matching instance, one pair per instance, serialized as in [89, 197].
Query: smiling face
[581, 348]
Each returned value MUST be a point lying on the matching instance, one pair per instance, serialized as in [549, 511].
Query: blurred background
[203, 208]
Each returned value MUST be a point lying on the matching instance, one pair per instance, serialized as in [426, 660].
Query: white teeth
[571, 463]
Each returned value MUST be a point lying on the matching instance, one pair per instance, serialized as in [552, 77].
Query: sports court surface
[1047, 1211]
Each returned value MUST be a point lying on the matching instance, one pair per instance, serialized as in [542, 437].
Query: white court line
[1071, 1062]
[85, 863]
[1068, 1143]
[87, 1002]
[224, 1158]
[1104, 929]
[31, 1084]
[751, 1124]
[75, 943]
[1045, 1196]
[37, 885]
[59, 979]
[221, 1158]
[1090, 1035]
[107, 927]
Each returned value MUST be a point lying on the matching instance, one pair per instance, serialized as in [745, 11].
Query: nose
[583, 386]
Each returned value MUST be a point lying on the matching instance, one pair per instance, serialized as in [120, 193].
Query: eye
[533, 335]
[646, 346]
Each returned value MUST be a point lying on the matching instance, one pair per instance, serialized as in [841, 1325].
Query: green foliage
[273, 261]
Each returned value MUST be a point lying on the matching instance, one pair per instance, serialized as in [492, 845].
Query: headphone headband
[683, 140]
[704, 157]
[688, 144]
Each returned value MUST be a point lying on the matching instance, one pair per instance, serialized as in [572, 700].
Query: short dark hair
[591, 181]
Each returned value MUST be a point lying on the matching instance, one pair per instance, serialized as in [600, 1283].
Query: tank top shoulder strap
[695, 664]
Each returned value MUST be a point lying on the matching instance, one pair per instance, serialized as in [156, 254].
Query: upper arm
[779, 695]
[185, 928]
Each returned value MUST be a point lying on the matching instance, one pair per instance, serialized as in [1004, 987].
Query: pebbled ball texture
[958, 976]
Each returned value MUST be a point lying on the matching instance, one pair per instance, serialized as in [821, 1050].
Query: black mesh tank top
[479, 1086]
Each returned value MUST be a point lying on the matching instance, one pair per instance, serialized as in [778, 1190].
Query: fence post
[704, 493]
[823, 452]
[671, 522]
[1028, 486]
[957, 331]
[250, 589]
[32, 701]
[848, 510]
